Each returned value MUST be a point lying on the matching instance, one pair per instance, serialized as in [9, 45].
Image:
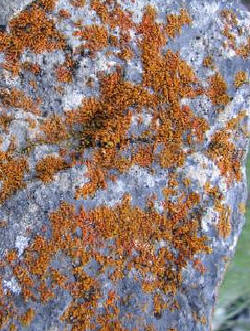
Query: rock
[124, 133]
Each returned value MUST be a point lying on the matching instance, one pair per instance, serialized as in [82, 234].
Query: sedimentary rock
[122, 178]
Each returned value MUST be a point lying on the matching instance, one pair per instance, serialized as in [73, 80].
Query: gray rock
[152, 261]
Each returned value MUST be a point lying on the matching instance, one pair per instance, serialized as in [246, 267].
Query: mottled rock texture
[122, 180]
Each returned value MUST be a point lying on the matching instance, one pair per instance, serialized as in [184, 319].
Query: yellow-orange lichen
[208, 62]
[102, 124]
[31, 30]
[218, 90]
[54, 129]
[48, 166]
[78, 3]
[230, 25]
[240, 78]
[175, 22]
[64, 13]
[27, 318]
[17, 99]
[242, 207]
[225, 154]
[32, 67]
[96, 37]
[224, 224]
[12, 176]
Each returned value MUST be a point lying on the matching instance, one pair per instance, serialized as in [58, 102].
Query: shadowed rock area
[123, 138]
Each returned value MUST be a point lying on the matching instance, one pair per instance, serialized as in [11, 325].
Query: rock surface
[124, 130]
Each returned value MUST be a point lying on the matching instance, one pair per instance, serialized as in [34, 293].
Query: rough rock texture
[122, 180]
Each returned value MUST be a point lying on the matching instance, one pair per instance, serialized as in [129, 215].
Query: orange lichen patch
[97, 181]
[235, 123]
[171, 156]
[114, 18]
[32, 67]
[3, 224]
[58, 278]
[11, 256]
[13, 67]
[106, 121]
[64, 72]
[27, 318]
[31, 29]
[17, 99]
[231, 31]
[208, 62]
[240, 78]
[224, 153]
[12, 175]
[13, 327]
[48, 4]
[96, 37]
[224, 225]
[175, 22]
[38, 265]
[144, 156]
[64, 13]
[126, 54]
[244, 49]
[45, 293]
[218, 90]
[229, 16]
[159, 305]
[78, 3]
[198, 265]
[5, 121]
[48, 166]
[153, 35]
[54, 129]
[33, 84]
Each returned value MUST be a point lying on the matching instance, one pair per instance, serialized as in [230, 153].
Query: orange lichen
[240, 78]
[78, 3]
[17, 99]
[231, 31]
[64, 72]
[45, 293]
[64, 13]
[175, 22]
[208, 62]
[54, 129]
[48, 166]
[244, 49]
[224, 225]
[114, 18]
[5, 121]
[31, 30]
[225, 154]
[126, 53]
[97, 181]
[101, 125]
[48, 4]
[198, 265]
[12, 176]
[96, 37]
[27, 318]
[32, 67]
[217, 90]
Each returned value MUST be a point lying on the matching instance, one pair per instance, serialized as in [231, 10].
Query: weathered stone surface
[124, 130]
